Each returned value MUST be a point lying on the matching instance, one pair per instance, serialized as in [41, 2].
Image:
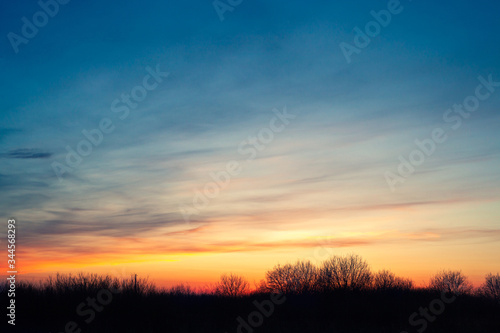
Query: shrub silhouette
[181, 289]
[83, 283]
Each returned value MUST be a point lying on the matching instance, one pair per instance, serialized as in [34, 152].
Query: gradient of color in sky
[320, 181]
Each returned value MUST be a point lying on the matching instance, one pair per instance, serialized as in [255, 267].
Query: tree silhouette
[280, 278]
[297, 278]
[451, 282]
[53, 303]
[491, 286]
[349, 272]
[231, 285]
[386, 280]
[306, 276]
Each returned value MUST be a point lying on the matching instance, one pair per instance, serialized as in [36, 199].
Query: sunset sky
[313, 182]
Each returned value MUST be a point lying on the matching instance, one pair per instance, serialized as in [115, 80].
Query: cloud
[26, 153]
[84, 249]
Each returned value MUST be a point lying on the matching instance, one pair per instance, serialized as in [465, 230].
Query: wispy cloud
[27, 153]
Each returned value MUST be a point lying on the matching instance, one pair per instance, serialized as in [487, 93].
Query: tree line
[340, 294]
[338, 273]
[349, 273]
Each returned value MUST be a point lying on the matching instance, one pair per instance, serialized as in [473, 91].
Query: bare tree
[232, 285]
[262, 287]
[297, 278]
[345, 272]
[452, 282]
[386, 280]
[491, 286]
[280, 278]
[305, 276]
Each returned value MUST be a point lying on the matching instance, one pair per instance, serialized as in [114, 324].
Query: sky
[183, 140]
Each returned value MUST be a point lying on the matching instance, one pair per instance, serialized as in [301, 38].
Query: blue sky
[325, 169]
